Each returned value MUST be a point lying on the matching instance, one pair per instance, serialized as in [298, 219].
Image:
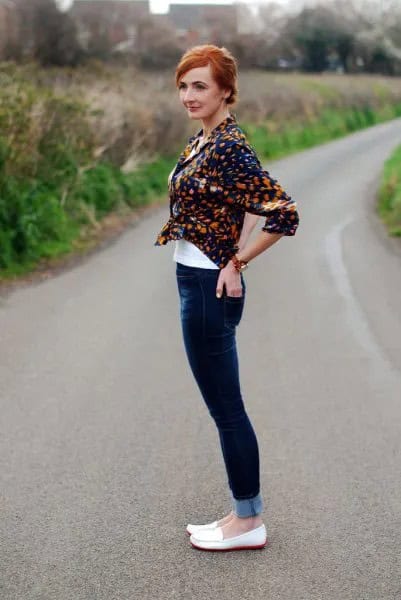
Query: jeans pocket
[184, 273]
[233, 308]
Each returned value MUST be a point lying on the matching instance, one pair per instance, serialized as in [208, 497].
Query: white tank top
[188, 254]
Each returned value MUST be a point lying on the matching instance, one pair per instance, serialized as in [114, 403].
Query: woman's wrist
[241, 257]
[230, 266]
[259, 245]
[238, 263]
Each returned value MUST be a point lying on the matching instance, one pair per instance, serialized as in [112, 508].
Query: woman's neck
[210, 124]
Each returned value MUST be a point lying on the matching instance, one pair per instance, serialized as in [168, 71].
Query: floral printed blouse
[214, 185]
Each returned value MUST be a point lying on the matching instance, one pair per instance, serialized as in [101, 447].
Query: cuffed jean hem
[247, 507]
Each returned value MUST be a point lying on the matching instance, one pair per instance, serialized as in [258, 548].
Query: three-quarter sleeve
[244, 183]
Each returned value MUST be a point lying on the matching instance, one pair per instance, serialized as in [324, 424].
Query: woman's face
[200, 93]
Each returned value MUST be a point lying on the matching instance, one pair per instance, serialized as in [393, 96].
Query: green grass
[389, 200]
[272, 143]
[34, 225]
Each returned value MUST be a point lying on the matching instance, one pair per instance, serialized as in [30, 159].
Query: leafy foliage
[389, 205]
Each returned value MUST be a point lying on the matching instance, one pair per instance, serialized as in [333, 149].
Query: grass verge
[389, 199]
[38, 231]
[330, 124]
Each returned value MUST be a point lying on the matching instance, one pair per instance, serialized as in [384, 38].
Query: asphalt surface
[106, 448]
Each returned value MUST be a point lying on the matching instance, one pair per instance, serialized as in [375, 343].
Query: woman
[218, 190]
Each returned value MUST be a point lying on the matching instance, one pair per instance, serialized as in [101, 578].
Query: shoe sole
[258, 547]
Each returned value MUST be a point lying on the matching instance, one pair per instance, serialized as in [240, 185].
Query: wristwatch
[240, 265]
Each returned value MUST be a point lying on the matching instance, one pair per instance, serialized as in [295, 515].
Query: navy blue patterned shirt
[214, 185]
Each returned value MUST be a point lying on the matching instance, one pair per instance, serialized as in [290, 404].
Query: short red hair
[222, 63]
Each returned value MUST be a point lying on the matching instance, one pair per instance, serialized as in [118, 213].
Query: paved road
[106, 450]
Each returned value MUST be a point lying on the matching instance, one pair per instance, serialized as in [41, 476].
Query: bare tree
[55, 40]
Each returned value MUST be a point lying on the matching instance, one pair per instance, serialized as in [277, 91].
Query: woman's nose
[188, 95]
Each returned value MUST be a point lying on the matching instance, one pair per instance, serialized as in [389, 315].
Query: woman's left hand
[231, 279]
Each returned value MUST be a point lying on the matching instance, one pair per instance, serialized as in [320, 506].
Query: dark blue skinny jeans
[209, 325]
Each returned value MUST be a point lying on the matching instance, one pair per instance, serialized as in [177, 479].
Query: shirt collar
[213, 134]
[220, 127]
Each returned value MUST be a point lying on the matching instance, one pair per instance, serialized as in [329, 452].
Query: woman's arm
[249, 225]
[229, 276]
[259, 245]
[244, 183]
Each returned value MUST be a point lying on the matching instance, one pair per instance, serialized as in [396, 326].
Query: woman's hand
[231, 279]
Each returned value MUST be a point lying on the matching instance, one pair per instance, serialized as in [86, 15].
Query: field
[79, 146]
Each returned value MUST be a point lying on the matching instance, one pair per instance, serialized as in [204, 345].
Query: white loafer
[193, 528]
[212, 539]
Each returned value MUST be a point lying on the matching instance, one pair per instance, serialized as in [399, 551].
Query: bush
[51, 182]
[389, 205]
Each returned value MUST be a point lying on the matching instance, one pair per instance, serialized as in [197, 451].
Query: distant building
[161, 19]
[200, 23]
[116, 21]
[9, 27]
